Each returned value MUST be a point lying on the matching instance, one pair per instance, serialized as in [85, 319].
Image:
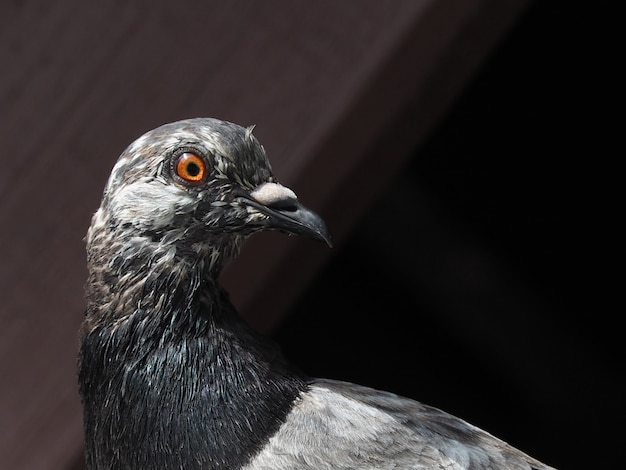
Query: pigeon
[171, 377]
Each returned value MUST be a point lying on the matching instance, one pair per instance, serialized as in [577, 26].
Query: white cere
[269, 193]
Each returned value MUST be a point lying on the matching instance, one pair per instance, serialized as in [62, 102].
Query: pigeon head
[199, 187]
[183, 197]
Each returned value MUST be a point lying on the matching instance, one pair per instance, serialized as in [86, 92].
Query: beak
[285, 213]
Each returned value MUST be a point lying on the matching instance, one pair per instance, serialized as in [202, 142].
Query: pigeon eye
[191, 167]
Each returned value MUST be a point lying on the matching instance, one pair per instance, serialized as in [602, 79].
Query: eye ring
[190, 167]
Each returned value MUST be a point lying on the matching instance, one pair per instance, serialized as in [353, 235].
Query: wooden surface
[341, 93]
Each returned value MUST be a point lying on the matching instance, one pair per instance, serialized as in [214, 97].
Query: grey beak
[286, 213]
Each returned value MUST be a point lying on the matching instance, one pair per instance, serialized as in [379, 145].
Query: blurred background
[457, 150]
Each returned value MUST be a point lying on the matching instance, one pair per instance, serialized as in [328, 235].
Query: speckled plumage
[171, 377]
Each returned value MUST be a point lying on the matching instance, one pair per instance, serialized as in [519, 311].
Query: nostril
[285, 205]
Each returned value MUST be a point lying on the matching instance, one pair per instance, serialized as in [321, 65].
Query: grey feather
[338, 425]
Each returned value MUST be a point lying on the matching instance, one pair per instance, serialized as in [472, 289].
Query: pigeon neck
[130, 274]
[166, 363]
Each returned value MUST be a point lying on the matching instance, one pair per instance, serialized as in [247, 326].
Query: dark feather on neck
[171, 377]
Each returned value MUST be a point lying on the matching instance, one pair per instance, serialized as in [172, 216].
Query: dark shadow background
[481, 281]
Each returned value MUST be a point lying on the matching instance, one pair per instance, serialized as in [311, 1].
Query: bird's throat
[172, 376]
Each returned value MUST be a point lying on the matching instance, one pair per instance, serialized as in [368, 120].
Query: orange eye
[191, 167]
